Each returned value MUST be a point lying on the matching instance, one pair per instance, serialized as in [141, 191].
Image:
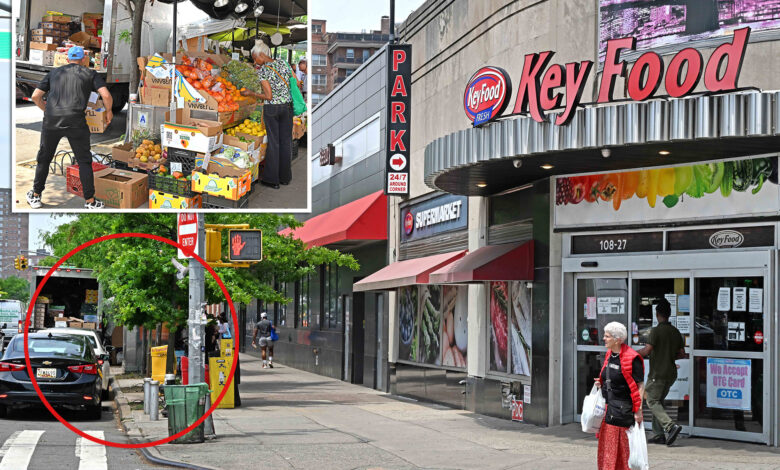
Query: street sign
[399, 101]
[517, 409]
[398, 162]
[245, 245]
[188, 233]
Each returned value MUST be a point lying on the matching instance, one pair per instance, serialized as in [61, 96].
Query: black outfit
[617, 393]
[68, 89]
[278, 156]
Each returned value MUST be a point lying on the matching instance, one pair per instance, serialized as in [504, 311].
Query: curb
[135, 435]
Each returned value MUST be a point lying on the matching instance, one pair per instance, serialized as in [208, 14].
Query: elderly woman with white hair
[622, 384]
[275, 78]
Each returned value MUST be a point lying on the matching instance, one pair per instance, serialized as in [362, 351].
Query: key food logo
[487, 94]
[726, 239]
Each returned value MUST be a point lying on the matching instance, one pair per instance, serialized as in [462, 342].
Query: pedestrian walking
[263, 330]
[621, 383]
[275, 78]
[302, 77]
[67, 91]
[664, 346]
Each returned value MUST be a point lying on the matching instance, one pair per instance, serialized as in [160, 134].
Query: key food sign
[399, 100]
[544, 87]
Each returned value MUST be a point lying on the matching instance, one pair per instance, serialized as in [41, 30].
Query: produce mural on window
[719, 189]
[407, 323]
[430, 324]
[510, 328]
[454, 334]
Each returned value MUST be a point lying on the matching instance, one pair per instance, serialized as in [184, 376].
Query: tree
[136, 9]
[139, 274]
[15, 288]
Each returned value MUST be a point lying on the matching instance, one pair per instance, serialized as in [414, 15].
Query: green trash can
[186, 404]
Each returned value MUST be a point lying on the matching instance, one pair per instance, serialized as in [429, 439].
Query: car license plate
[46, 373]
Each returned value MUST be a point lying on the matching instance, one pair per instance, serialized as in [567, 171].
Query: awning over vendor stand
[362, 219]
[408, 272]
[511, 262]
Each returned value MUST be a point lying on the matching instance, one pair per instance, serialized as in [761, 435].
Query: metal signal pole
[392, 21]
[197, 344]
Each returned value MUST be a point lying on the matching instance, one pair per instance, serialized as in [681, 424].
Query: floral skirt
[613, 447]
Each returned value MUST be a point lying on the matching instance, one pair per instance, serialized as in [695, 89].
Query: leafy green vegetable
[242, 75]
[671, 200]
[728, 179]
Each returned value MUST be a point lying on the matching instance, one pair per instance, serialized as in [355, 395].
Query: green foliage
[125, 36]
[139, 274]
[242, 75]
[15, 288]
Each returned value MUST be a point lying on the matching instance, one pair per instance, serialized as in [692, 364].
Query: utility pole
[392, 21]
[197, 342]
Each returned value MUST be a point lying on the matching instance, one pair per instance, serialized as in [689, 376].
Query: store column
[477, 300]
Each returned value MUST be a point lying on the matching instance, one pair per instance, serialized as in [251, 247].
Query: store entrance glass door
[730, 357]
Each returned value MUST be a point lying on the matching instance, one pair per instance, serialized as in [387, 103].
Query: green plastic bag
[299, 104]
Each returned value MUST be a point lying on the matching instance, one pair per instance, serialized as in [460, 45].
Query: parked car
[101, 352]
[65, 367]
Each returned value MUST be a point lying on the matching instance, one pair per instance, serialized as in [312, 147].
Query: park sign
[399, 102]
[543, 88]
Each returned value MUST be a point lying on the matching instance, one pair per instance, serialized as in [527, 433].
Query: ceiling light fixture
[259, 11]
[241, 7]
[221, 3]
[481, 185]
[547, 166]
[664, 152]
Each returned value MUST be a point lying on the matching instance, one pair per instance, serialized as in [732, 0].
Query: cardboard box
[97, 115]
[121, 189]
[161, 200]
[92, 20]
[197, 135]
[57, 33]
[146, 166]
[45, 58]
[235, 141]
[63, 27]
[75, 324]
[150, 80]
[57, 18]
[84, 40]
[60, 59]
[156, 96]
[223, 180]
[40, 46]
[47, 40]
[89, 325]
[91, 297]
[123, 152]
[60, 324]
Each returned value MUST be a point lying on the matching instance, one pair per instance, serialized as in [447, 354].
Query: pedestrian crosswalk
[17, 451]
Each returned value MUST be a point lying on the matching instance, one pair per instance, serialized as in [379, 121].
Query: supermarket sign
[543, 87]
[434, 216]
[399, 101]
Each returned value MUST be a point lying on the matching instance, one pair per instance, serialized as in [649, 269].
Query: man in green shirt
[664, 346]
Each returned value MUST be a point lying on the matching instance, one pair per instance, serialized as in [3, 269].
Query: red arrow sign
[397, 161]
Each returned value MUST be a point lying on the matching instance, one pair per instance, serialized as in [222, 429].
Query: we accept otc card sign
[728, 383]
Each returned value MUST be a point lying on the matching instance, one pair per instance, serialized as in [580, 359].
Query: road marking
[17, 450]
[91, 455]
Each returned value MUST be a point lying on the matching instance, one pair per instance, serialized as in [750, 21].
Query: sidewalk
[294, 419]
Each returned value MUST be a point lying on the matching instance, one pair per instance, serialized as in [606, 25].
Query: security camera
[180, 268]
[517, 163]
[606, 153]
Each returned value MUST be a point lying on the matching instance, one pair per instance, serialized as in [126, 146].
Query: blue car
[65, 367]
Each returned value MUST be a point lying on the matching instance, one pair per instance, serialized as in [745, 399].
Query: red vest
[627, 356]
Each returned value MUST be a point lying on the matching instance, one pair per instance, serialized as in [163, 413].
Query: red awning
[510, 262]
[362, 219]
[405, 273]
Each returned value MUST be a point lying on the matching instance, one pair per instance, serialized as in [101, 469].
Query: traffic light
[18, 263]
[23, 263]
[245, 245]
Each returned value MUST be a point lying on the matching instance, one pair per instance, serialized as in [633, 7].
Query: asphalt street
[33, 439]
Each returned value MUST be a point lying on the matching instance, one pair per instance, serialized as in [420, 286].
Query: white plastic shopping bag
[637, 444]
[593, 409]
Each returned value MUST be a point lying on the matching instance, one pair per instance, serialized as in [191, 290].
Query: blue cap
[75, 53]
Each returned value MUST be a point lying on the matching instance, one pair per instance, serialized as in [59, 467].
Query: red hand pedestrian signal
[237, 245]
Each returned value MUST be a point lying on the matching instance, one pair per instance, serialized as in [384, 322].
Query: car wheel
[95, 412]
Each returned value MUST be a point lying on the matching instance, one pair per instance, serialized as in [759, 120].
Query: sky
[349, 16]
[43, 223]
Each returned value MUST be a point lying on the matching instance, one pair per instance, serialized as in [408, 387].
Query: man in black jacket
[69, 88]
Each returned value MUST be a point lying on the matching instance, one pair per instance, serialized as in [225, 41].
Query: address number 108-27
[613, 245]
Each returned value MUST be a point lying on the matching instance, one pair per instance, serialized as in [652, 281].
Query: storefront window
[730, 314]
[729, 393]
[331, 303]
[407, 323]
[602, 301]
[433, 325]
[510, 328]
[511, 207]
[304, 303]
